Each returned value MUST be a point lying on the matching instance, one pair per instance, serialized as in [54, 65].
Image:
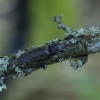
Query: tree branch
[76, 46]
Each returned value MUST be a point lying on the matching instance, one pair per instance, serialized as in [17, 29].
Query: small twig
[76, 46]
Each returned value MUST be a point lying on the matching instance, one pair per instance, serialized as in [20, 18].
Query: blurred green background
[24, 23]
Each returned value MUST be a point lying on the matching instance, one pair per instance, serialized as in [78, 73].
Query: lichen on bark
[75, 47]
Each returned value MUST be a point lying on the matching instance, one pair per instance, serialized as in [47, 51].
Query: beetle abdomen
[36, 54]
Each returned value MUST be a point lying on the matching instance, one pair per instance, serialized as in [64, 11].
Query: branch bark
[76, 47]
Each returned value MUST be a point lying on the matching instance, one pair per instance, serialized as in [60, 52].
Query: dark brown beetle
[35, 54]
[41, 53]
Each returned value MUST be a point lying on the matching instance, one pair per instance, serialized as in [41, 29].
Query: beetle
[41, 52]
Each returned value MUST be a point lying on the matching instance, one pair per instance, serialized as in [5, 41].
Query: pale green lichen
[3, 64]
[93, 29]
[19, 53]
[94, 47]
[19, 72]
[55, 40]
[3, 86]
[4, 61]
[81, 31]
[75, 63]
[78, 62]
[71, 41]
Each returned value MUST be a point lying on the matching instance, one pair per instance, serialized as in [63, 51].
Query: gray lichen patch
[19, 72]
[75, 64]
[71, 41]
[3, 64]
[2, 86]
[92, 33]
[57, 19]
[93, 29]
[94, 46]
[4, 61]
[19, 53]
[78, 62]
